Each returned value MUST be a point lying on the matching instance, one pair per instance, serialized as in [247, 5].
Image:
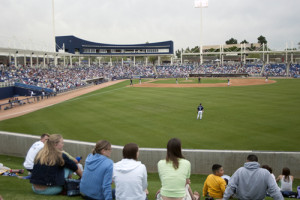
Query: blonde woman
[97, 175]
[51, 167]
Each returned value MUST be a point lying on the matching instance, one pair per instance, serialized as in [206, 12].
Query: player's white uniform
[200, 111]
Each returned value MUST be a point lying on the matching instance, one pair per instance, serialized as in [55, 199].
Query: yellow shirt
[215, 186]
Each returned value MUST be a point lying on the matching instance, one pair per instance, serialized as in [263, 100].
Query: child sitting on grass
[214, 185]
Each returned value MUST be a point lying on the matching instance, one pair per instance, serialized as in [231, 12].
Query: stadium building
[79, 47]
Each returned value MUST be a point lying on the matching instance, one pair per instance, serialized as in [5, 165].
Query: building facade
[74, 45]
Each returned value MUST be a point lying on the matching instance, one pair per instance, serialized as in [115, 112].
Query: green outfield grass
[261, 117]
[191, 80]
[12, 188]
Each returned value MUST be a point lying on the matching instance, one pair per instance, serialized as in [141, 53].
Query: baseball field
[254, 117]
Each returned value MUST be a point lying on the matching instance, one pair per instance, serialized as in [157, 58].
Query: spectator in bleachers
[252, 182]
[252, 69]
[294, 70]
[97, 175]
[130, 175]
[275, 69]
[184, 70]
[52, 167]
[60, 78]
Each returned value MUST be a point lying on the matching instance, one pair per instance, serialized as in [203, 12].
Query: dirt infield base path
[22, 110]
[233, 82]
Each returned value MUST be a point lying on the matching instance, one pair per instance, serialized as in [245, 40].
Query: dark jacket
[51, 175]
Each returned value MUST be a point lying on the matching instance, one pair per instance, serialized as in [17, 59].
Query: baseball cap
[78, 158]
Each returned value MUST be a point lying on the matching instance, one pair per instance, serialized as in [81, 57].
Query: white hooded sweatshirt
[130, 178]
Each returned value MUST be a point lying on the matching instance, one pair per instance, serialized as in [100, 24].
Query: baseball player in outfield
[131, 81]
[200, 111]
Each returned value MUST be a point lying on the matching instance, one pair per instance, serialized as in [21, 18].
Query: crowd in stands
[252, 69]
[126, 71]
[129, 175]
[62, 78]
[185, 70]
[58, 77]
[294, 70]
[275, 70]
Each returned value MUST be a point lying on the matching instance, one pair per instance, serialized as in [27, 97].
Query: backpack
[72, 187]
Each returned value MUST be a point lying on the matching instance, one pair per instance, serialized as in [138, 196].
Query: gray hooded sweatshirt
[252, 183]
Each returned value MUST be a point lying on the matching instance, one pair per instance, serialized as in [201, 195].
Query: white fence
[16, 144]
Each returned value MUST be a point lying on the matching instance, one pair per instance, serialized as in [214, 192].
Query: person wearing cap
[78, 158]
[200, 111]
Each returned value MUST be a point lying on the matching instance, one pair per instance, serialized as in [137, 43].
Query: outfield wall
[16, 144]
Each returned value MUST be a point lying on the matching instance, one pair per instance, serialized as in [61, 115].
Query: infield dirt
[233, 82]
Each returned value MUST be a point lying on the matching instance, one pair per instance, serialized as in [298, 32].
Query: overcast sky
[140, 21]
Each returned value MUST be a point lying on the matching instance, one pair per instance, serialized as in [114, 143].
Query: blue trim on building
[74, 45]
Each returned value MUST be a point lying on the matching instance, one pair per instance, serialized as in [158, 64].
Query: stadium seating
[294, 70]
[62, 78]
[275, 70]
[252, 69]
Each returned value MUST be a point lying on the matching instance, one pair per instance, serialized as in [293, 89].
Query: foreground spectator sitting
[130, 175]
[252, 182]
[214, 185]
[174, 172]
[52, 167]
[286, 183]
[267, 167]
[97, 175]
[34, 149]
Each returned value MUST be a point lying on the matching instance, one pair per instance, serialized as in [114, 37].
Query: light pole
[201, 36]
[201, 4]
[54, 42]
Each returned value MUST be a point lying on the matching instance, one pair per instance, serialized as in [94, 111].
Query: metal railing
[28, 100]
[7, 84]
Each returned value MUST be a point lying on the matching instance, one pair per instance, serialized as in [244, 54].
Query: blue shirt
[97, 177]
[200, 108]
